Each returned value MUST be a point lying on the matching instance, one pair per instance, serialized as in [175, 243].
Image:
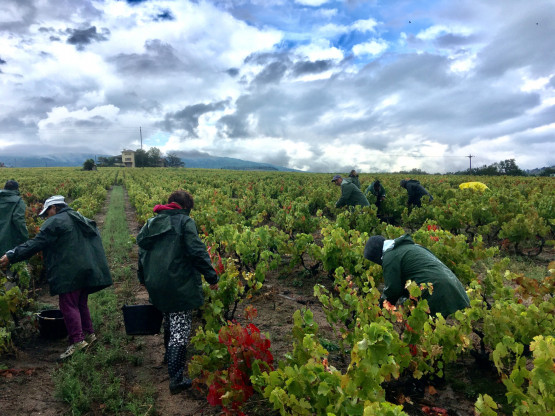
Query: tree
[174, 161]
[509, 167]
[88, 164]
[141, 158]
[154, 157]
[106, 161]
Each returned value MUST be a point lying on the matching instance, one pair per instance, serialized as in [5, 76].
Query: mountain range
[191, 160]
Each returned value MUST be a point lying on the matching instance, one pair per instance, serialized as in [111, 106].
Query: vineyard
[377, 360]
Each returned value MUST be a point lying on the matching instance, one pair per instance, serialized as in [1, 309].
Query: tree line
[143, 159]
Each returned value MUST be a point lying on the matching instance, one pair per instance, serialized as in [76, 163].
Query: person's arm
[198, 253]
[394, 284]
[140, 270]
[44, 239]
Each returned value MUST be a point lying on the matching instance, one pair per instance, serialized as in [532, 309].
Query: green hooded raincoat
[410, 261]
[13, 230]
[73, 254]
[171, 260]
[351, 195]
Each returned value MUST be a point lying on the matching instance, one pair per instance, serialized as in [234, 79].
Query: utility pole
[141, 134]
[470, 159]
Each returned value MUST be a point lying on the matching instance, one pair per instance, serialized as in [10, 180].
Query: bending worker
[415, 191]
[402, 260]
[350, 194]
[376, 189]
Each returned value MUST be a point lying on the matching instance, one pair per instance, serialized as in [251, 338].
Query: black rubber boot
[176, 365]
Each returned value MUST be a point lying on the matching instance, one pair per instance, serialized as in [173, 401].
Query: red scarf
[173, 205]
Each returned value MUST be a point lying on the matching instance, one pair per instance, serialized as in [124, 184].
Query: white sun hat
[53, 200]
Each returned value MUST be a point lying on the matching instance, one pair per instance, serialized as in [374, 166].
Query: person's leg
[180, 331]
[86, 321]
[69, 306]
[166, 336]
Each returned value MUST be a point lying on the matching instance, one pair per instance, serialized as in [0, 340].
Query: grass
[92, 381]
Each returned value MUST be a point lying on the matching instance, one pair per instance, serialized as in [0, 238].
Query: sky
[315, 85]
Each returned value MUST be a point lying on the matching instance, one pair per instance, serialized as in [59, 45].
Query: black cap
[11, 185]
[374, 248]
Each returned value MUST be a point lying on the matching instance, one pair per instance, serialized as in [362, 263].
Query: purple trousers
[77, 317]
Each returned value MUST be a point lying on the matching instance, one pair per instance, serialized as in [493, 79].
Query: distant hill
[61, 160]
[200, 160]
[214, 162]
[539, 171]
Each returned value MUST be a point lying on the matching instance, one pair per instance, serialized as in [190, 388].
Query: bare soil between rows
[30, 389]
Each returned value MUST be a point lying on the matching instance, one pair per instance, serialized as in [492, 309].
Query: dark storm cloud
[278, 111]
[311, 67]
[159, 58]
[2, 62]
[452, 41]
[232, 72]
[271, 74]
[521, 43]
[266, 58]
[233, 126]
[187, 119]
[279, 158]
[82, 37]
[163, 15]
[413, 71]
[20, 21]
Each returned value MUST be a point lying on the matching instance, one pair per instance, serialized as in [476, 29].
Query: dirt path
[152, 370]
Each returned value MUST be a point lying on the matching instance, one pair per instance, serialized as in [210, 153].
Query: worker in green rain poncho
[403, 260]
[350, 194]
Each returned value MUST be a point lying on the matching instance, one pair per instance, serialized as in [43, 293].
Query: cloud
[317, 85]
[67, 128]
[164, 14]
[82, 37]
[313, 3]
[271, 74]
[374, 47]
[310, 67]
[190, 153]
[159, 57]
[188, 118]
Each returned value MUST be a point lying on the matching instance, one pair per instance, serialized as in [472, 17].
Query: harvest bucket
[141, 319]
[51, 324]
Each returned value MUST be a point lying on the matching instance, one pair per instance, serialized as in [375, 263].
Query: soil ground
[27, 388]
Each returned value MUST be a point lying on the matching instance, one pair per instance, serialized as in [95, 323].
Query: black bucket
[51, 324]
[141, 319]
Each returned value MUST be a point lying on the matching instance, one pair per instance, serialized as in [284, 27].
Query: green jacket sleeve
[140, 270]
[394, 285]
[197, 252]
[44, 239]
